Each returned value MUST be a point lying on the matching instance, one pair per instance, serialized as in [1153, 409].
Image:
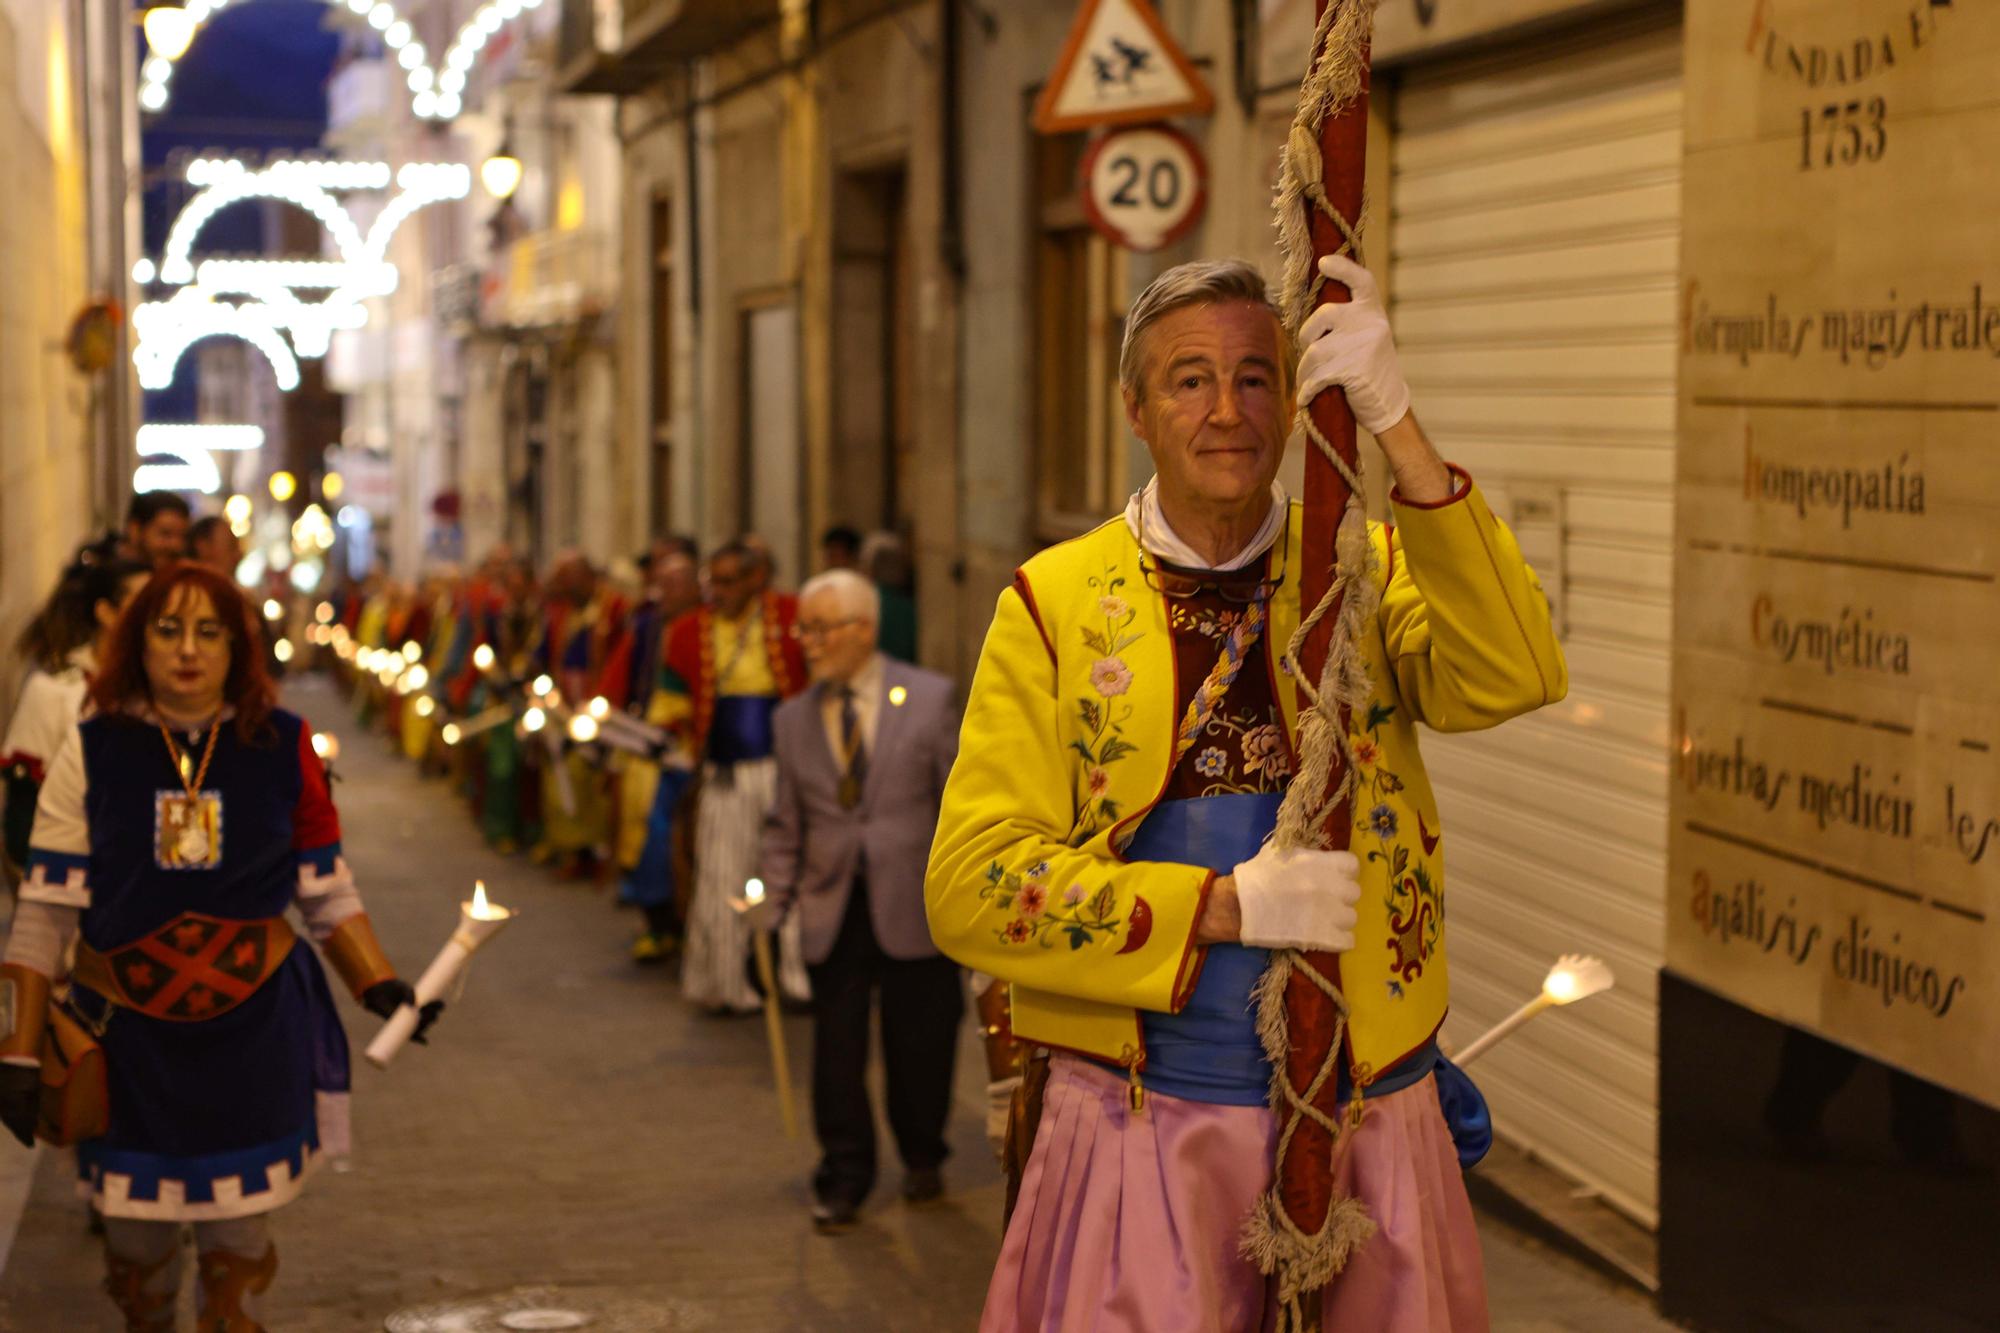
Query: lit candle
[1573, 978]
[478, 921]
[774, 1027]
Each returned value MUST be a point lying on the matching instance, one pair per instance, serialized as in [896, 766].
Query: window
[1079, 318]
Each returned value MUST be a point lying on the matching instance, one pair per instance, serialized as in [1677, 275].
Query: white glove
[1349, 344]
[999, 1106]
[1299, 899]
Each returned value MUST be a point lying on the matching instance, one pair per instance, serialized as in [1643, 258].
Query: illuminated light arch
[434, 95]
[166, 329]
[176, 268]
[192, 446]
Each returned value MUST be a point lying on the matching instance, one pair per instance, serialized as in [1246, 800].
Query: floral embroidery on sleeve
[1416, 905]
[1100, 741]
[1076, 914]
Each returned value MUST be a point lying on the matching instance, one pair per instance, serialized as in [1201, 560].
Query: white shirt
[867, 687]
[1162, 541]
[50, 704]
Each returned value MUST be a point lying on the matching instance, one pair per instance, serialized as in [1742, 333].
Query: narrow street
[575, 1127]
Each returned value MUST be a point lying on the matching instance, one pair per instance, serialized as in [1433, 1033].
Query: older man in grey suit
[862, 760]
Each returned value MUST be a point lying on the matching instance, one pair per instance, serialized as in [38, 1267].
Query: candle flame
[1575, 977]
[753, 891]
[481, 909]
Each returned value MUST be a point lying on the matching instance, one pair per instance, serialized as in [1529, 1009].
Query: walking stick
[1300, 1234]
[774, 1019]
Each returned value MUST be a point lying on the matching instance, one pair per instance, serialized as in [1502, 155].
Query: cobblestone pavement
[575, 1126]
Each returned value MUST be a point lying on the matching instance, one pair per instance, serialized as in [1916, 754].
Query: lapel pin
[896, 696]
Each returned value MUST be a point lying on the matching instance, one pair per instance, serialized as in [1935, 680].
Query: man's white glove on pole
[1298, 898]
[1349, 344]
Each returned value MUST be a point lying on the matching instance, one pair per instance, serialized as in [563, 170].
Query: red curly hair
[121, 676]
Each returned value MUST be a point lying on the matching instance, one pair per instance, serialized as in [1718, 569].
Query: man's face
[187, 653]
[1213, 404]
[163, 540]
[836, 642]
[219, 550]
[736, 583]
[676, 582]
[573, 580]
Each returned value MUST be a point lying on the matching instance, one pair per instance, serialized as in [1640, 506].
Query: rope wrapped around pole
[1300, 1234]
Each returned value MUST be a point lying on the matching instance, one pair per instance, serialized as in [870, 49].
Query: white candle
[478, 921]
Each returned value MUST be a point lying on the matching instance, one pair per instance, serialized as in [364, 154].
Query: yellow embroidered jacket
[1067, 742]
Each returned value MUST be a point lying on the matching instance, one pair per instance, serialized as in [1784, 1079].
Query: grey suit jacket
[813, 848]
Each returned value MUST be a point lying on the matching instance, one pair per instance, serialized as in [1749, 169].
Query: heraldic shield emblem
[197, 967]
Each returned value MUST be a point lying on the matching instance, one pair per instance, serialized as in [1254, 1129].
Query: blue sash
[1209, 1051]
[741, 730]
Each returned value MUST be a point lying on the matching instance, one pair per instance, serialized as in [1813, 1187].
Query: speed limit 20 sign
[1144, 187]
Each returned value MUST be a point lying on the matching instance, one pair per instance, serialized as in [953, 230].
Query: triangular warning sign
[1119, 67]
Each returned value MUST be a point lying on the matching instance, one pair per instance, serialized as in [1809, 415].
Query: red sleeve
[614, 682]
[1461, 486]
[315, 823]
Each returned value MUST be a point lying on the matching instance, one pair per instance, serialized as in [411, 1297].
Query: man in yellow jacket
[1129, 736]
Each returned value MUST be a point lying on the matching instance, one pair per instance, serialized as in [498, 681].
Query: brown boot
[226, 1279]
[127, 1281]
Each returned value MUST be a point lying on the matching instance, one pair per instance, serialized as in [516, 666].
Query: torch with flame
[478, 921]
[774, 1026]
[1573, 978]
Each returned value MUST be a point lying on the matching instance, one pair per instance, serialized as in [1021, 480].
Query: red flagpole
[1307, 1189]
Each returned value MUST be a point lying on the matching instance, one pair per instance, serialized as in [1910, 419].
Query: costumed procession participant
[508, 797]
[581, 617]
[212, 542]
[862, 759]
[654, 853]
[1127, 743]
[156, 528]
[62, 645]
[729, 665]
[177, 825]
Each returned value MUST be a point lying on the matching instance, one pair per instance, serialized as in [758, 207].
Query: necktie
[850, 744]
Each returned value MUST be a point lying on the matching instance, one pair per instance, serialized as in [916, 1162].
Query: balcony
[625, 46]
[549, 277]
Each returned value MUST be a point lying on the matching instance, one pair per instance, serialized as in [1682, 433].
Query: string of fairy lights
[435, 93]
[287, 308]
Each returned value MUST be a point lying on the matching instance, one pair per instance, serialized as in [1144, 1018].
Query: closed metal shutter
[1534, 234]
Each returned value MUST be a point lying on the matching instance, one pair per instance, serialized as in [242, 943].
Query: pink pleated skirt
[1129, 1222]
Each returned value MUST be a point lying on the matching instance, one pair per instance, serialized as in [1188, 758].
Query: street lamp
[169, 29]
[501, 173]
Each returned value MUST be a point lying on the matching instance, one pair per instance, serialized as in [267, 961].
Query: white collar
[866, 682]
[1163, 542]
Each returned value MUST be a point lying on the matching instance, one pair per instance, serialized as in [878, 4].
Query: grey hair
[852, 591]
[1198, 282]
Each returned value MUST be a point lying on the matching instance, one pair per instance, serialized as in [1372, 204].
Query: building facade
[66, 143]
[860, 288]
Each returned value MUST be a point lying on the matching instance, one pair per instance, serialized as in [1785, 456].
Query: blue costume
[225, 1060]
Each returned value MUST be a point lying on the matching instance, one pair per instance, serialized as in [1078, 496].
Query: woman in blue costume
[177, 825]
